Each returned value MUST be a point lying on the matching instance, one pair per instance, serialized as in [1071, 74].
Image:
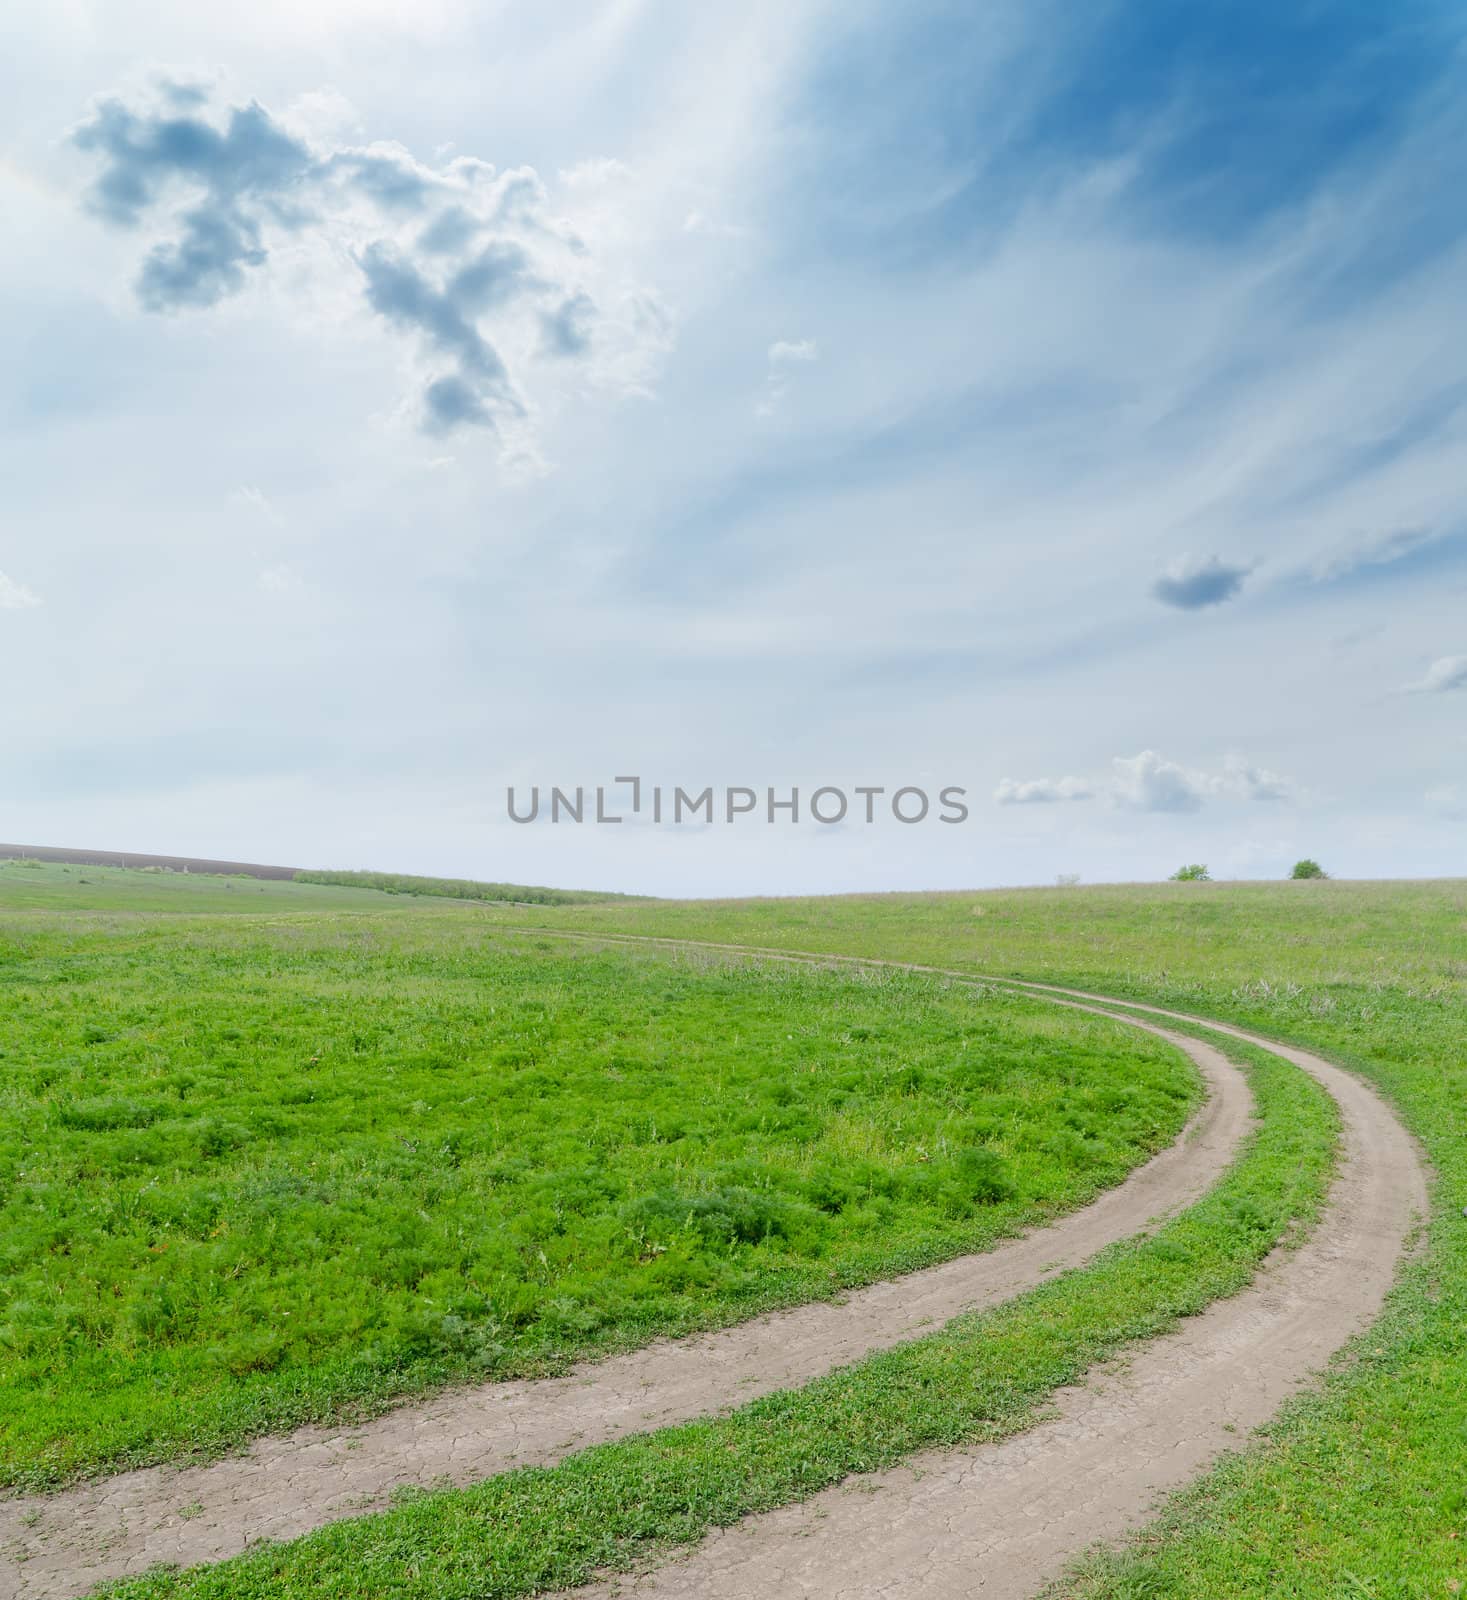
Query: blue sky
[407, 400]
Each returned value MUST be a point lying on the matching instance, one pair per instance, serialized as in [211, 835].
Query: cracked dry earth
[59, 1545]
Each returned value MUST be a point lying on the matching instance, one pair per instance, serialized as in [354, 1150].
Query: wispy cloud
[15, 596]
[1359, 555]
[784, 354]
[1085, 298]
[248, 494]
[1444, 674]
[1042, 791]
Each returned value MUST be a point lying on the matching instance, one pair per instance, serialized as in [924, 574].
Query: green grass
[57, 886]
[978, 1378]
[459, 888]
[253, 1172]
[1360, 1490]
[1356, 1491]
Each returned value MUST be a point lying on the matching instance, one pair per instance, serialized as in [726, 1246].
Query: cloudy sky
[404, 401]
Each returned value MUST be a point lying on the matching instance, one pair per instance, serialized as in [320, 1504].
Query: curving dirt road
[59, 1545]
[995, 1522]
[1001, 1521]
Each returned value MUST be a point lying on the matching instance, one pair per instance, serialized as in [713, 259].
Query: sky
[407, 402]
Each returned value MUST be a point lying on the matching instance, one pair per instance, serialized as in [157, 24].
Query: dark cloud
[250, 166]
[397, 291]
[449, 232]
[206, 263]
[450, 403]
[1193, 585]
[390, 180]
[252, 157]
[230, 176]
[184, 96]
[493, 278]
[566, 331]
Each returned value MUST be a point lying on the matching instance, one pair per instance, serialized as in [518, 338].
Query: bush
[1195, 873]
[1308, 869]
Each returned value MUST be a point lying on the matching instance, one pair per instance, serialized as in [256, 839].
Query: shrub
[1195, 873]
[1308, 869]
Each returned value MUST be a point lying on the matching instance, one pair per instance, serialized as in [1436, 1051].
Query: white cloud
[784, 351]
[1378, 550]
[1149, 782]
[15, 596]
[324, 116]
[1241, 778]
[783, 355]
[1020, 424]
[1041, 791]
[1448, 672]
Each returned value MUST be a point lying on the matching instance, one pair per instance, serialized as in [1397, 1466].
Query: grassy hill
[460, 888]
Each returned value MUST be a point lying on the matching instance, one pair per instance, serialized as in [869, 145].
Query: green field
[457, 888]
[1356, 1491]
[1362, 1490]
[49, 886]
[257, 1170]
[979, 1378]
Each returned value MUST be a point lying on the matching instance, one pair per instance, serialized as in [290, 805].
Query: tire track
[60, 1545]
[998, 1522]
